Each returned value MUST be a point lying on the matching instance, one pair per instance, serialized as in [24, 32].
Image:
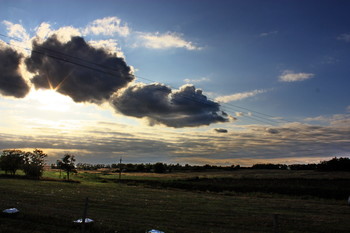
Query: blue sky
[286, 59]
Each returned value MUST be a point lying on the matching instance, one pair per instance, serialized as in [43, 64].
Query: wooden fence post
[120, 168]
[84, 215]
[275, 223]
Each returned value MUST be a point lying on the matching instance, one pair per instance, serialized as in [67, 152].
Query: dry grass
[51, 207]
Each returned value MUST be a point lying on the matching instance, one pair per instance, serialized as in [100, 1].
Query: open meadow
[236, 201]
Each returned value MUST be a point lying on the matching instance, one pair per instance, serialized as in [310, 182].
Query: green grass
[48, 206]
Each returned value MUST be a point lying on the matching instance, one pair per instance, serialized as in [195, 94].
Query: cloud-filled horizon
[111, 85]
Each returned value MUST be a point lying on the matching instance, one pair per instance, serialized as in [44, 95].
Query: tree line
[32, 163]
[335, 164]
[149, 167]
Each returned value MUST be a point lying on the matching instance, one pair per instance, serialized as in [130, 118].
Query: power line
[261, 117]
[63, 57]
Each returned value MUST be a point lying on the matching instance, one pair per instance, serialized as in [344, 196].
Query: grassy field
[51, 206]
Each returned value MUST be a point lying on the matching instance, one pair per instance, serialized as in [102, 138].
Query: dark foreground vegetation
[328, 188]
[177, 202]
[172, 198]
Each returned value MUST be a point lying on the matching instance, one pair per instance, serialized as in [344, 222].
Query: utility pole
[120, 168]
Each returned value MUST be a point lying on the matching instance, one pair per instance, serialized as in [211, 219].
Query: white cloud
[164, 41]
[290, 76]
[110, 46]
[333, 120]
[238, 96]
[318, 118]
[344, 37]
[340, 120]
[20, 39]
[64, 34]
[264, 34]
[204, 79]
[348, 108]
[16, 30]
[107, 26]
[44, 30]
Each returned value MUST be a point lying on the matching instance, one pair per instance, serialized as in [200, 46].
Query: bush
[11, 161]
[33, 165]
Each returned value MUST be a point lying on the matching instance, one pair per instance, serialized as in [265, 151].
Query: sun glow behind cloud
[51, 100]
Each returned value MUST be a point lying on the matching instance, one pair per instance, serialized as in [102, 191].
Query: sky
[197, 81]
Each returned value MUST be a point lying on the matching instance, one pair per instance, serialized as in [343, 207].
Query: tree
[33, 164]
[159, 168]
[335, 164]
[11, 160]
[67, 164]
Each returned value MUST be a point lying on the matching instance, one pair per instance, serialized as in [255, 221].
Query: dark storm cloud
[78, 70]
[11, 82]
[221, 130]
[186, 107]
[272, 131]
[87, 74]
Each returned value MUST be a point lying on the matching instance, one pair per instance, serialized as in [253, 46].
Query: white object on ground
[87, 220]
[11, 211]
[155, 231]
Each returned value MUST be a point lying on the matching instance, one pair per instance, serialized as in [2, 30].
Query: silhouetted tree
[11, 160]
[159, 168]
[335, 164]
[140, 167]
[67, 164]
[33, 163]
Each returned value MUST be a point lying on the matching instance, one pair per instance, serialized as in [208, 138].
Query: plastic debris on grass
[154, 231]
[87, 220]
[11, 211]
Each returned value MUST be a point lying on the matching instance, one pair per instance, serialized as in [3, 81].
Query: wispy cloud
[107, 26]
[290, 76]
[344, 37]
[20, 38]
[105, 143]
[164, 41]
[95, 141]
[264, 34]
[16, 30]
[318, 118]
[238, 96]
[204, 79]
[338, 120]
